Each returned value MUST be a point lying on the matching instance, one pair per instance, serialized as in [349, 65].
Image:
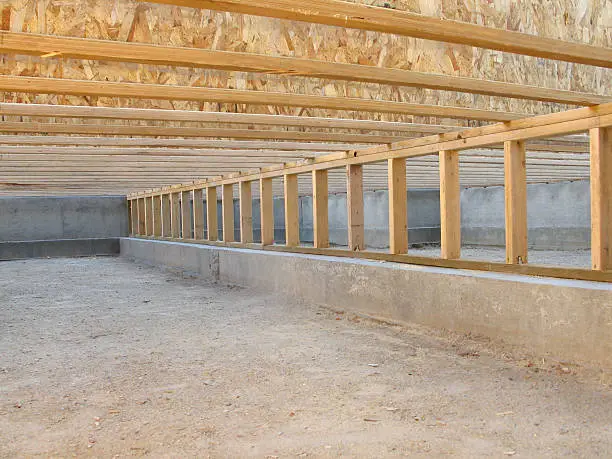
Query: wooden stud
[186, 214]
[149, 215]
[292, 215]
[157, 216]
[320, 209]
[515, 202]
[354, 202]
[142, 230]
[166, 215]
[131, 220]
[227, 204]
[398, 217]
[267, 211]
[246, 212]
[450, 205]
[211, 213]
[175, 217]
[601, 198]
[198, 214]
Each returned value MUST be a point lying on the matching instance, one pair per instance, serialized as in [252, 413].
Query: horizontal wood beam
[150, 114]
[390, 20]
[38, 85]
[556, 124]
[110, 129]
[105, 50]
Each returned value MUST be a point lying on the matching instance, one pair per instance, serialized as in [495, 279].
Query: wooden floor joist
[80, 48]
[38, 85]
[390, 20]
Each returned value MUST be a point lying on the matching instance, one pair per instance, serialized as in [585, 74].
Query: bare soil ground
[106, 358]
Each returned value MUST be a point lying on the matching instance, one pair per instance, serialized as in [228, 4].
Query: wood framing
[233, 96]
[450, 205]
[246, 212]
[292, 215]
[515, 202]
[601, 199]
[398, 212]
[320, 204]
[142, 229]
[198, 214]
[157, 215]
[389, 20]
[354, 202]
[227, 204]
[175, 215]
[166, 210]
[186, 225]
[267, 211]
[212, 222]
[80, 48]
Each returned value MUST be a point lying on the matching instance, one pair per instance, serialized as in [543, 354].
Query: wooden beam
[211, 213]
[515, 202]
[198, 214]
[157, 215]
[267, 211]
[246, 212]
[390, 20]
[142, 229]
[450, 205]
[149, 215]
[354, 202]
[601, 199]
[148, 114]
[166, 215]
[109, 129]
[147, 142]
[227, 203]
[81, 48]
[186, 225]
[320, 204]
[292, 214]
[131, 219]
[398, 216]
[563, 123]
[175, 217]
[87, 88]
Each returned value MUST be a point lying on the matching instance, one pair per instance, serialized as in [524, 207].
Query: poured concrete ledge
[58, 248]
[569, 320]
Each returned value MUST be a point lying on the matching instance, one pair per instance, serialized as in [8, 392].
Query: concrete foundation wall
[569, 320]
[60, 218]
[558, 216]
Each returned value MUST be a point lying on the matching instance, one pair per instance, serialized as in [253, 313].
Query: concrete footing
[58, 248]
[565, 319]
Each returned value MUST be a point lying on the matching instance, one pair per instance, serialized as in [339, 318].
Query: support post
[175, 217]
[166, 216]
[354, 202]
[130, 209]
[267, 211]
[398, 216]
[320, 206]
[211, 213]
[601, 198]
[149, 215]
[450, 205]
[141, 217]
[292, 214]
[516, 202]
[186, 214]
[227, 204]
[157, 221]
[246, 213]
[198, 215]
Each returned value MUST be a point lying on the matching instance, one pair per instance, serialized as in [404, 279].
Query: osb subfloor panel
[102, 357]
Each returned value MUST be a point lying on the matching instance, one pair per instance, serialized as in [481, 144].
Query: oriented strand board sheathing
[127, 20]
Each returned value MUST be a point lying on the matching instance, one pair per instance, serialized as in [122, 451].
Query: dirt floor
[106, 358]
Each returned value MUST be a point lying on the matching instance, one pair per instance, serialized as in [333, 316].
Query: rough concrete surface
[106, 358]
